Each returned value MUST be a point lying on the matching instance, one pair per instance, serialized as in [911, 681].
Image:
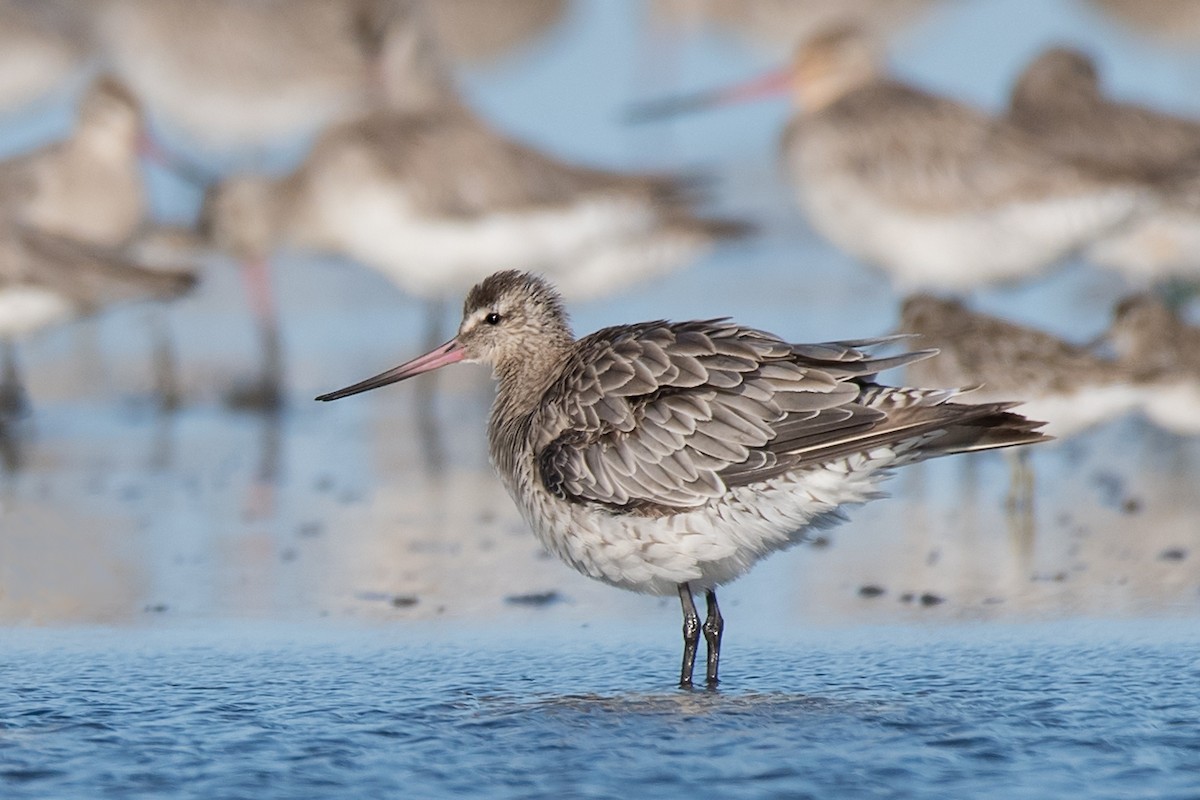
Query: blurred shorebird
[233, 76]
[1058, 101]
[776, 25]
[428, 194]
[480, 31]
[668, 458]
[1173, 23]
[1164, 352]
[87, 187]
[1069, 386]
[239, 78]
[47, 279]
[42, 47]
[938, 194]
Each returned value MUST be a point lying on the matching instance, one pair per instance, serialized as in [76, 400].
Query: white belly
[710, 545]
[1175, 406]
[25, 309]
[1159, 246]
[1067, 414]
[958, 250]
[583, 247]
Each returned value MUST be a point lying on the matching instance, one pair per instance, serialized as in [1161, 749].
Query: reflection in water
[228, 520]
[11, 449]
[13, 401]
[260, 495]
[1097, 535]
[698, 703]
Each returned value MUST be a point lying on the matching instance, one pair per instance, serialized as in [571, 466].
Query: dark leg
[691, 635]
[714, 626]
[13, 402]
[166, 369]
[265, 394]
[272, 377]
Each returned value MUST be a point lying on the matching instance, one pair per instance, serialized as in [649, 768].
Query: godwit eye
[492, 318]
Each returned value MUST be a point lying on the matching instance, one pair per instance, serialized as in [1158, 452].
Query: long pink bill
[769, 85]
[448, 353]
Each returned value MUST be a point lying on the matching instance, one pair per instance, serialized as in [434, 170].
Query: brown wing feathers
[673, 414]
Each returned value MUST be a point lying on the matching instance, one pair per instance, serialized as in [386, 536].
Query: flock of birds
[402, 176]
[665, 458]
[943, 198]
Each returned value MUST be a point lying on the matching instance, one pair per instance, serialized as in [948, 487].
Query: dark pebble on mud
[1173, 554]
[871, 590]
[538, 599]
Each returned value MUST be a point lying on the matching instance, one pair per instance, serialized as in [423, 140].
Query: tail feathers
[986, 427]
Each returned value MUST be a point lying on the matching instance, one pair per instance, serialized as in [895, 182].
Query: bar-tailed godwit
[46, 279]
[938, 194]
[668, 458]
[1059, 102]
[231, 76]
[87, 186]
[1070, 386]
[1163, 350]
[42, 47]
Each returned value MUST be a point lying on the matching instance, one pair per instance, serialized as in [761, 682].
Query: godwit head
[831, 64]
[513, 322]
[1059, 75]
[1142, 328]
[110, 117]
[1163, 350]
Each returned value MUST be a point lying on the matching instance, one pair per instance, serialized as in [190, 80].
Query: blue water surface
[1037, 711]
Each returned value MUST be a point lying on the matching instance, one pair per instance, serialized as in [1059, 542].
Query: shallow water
[1040, 712]
[339, 600]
